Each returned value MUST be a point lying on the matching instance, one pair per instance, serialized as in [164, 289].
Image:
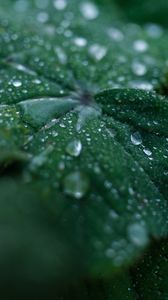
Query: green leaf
[84, 148]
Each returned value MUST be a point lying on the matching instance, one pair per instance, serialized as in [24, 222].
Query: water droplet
[60, 4]
[115, 34]
[36, 81]
[113, 214]
[17, 83]
[74, 148]
[97, 51]
[76, 184]
[54, 133]
[139, 69]
[154, 30]
[165, 173]
[80, 41]
[42, 17]
[138, 234]
[89, 10]
[140, 46]
[147, 152]
[136, 138]
[23, 68]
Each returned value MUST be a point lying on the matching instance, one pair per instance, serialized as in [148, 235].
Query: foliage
[84, 149]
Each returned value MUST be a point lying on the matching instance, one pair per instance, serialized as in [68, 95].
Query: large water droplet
[140, 45]
[76, 184]
[89, 10]
[60, 4]
[138, 234]
[74, 148]
[136, 138]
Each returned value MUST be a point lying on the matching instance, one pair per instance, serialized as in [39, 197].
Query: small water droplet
[136, 138]
[61, 55]
[97, 51]
[147, 152]
[42, 17]
[140, 45]
[113, 214]
[80, 41]
[139, 69]
[154, 30]
[54, 133]
[138, 234]
[74, 148]
[115, 34]
[76, 184]
[36, 81]
[17, 83]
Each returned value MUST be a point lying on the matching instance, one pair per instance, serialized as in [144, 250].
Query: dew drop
[17, 83]
[89, 10]
[61, 55]
[140, 45]
[165, 173]
[76, 184]
[115, 34]
[137, 234]
[97, 51]
[36, 81]
[42, 17]
[147, 152]
[139, 69]
[154, 30]
[23, 68]
[80, 41]
[74, 148]
[136, 138]
[113, 214]
[60, 4]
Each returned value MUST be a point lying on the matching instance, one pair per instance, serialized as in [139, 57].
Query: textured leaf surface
[84, 148]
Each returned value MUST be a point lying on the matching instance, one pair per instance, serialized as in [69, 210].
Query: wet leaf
[83, 148]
